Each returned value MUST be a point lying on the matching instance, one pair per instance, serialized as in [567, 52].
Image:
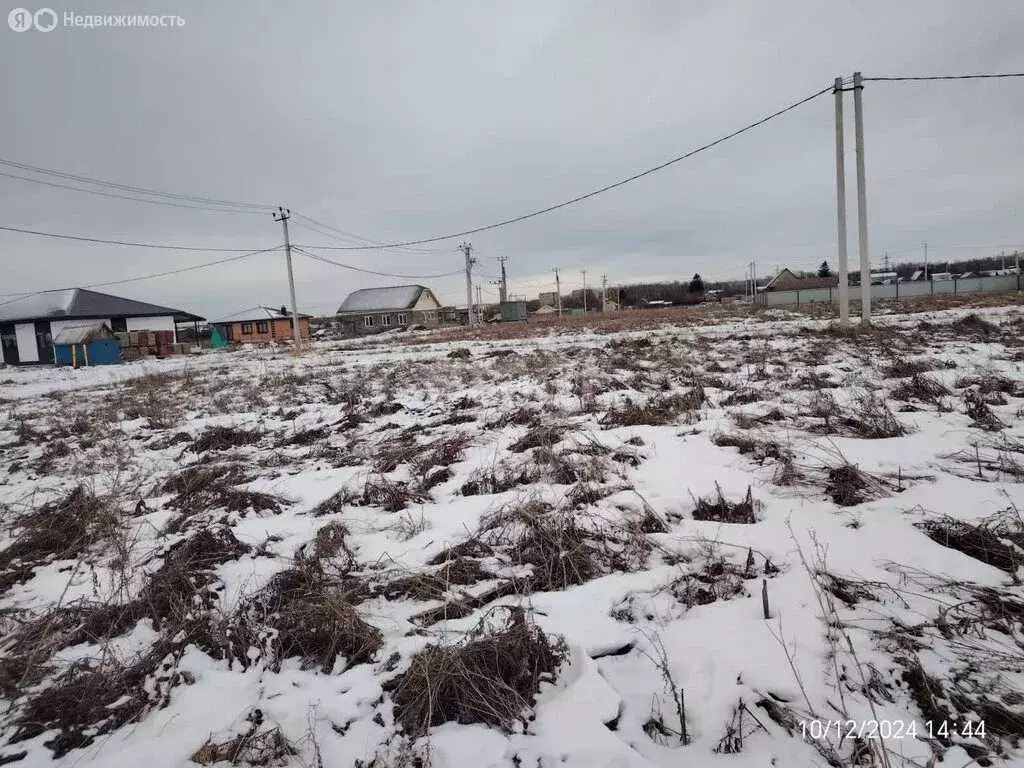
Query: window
[247, 329]
[261, 327]
[428, 317]
[368, 321]
[402, 319]
[385, 319]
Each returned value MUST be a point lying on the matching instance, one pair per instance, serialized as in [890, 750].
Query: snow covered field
[750, 544]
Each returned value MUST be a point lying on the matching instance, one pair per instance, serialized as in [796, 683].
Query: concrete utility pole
[862, 201]
[926, 261]
[584, 273]
[604, 293]
[503, 286]
[467, 249]
[282, 215]
[753, 279]
[558, 289]
[479, 303]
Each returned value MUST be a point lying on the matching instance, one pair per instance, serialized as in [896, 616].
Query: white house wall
[28, 352]
[426, 301]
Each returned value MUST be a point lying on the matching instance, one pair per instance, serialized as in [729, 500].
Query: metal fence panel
[998, 284]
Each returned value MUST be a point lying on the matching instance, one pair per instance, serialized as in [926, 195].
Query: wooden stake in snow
[764, 597]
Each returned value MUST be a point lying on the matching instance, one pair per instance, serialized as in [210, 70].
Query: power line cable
[125, 197]
[121, 242]
[946, 77]
[132, 188]
[325, 260]
[147, 277]
[352, 236]
[596, 192]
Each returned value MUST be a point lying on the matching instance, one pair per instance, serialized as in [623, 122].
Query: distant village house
[787, 281]
[372, 310]
[261, 324]
[28, 325]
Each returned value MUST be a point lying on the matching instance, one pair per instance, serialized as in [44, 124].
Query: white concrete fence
[1000, 284]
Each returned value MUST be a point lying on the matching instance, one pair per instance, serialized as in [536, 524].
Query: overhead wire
[122, 242]
[126, 197]
[987, 76]
[352, 236]
[132, 188]
[594, 193]
[145, 277]
[325, 260]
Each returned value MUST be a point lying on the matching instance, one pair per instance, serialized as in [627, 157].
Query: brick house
[260, 324]
[372, 310]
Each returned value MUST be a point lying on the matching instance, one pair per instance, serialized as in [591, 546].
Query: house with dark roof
[261, 324]
[787, 281]
[372, 310]
[29, 323]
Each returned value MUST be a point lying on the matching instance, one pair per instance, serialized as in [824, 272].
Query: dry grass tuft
[330, 540]
[89, 700]
[903, 368]
[922, 388]
[849, 486]
[462, 571]
[200, 489]
[255, 747]
[537, 437]
[223, 439]
[59, 530]
[314, 617]
[975, 326]
[979, 542]
[979, 412]
[490, 678]
[393, 453]
[657, 411]
[500, 477]
[719, 510]
[391, 495]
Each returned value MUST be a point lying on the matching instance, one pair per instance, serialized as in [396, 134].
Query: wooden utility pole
[558, 289]
[467, 249]
[282, 215]
[604, 293]
[584, 273]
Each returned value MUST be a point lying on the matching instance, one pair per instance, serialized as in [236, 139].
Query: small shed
[513, 311]
[82, 345]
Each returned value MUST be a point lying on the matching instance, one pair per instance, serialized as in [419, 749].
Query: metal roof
[256, 315]
[382, 299]
[82, 334]
[82, 303]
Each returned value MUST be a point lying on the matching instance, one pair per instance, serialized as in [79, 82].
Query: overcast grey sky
[399, 120]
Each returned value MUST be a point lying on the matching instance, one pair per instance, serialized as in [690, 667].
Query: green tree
[824, 271]
[697, 284]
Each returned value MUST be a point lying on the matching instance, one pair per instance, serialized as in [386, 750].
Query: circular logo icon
[45, 19]
[19, 19]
